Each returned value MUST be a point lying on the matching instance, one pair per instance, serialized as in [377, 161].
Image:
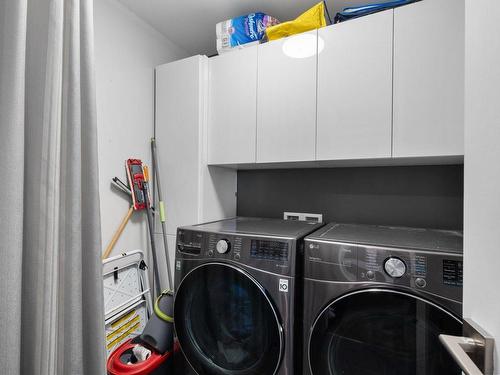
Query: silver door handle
[473, 352]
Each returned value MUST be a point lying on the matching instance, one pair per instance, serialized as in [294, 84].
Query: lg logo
[283, 286]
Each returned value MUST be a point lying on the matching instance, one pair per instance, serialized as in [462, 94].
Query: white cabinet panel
[193, 192]
[482, 170]
[355, 89]
[232, 107]
[178, 132]
[219, 193]
[429, 78]
[286, 100]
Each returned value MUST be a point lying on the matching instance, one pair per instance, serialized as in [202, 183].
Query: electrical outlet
[300, 216]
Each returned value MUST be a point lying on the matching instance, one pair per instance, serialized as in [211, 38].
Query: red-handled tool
[135, 176]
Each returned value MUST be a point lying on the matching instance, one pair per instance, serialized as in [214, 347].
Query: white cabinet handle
[474, 352]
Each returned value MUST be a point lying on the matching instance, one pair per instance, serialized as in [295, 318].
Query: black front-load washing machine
[237, 293]
[377, 298]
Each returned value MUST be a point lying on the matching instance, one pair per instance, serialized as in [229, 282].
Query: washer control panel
[271, 250]
[264, 253]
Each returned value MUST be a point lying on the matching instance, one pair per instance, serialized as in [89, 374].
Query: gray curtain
[51, 299]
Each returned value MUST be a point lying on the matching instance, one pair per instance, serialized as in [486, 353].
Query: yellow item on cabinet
[311, 19]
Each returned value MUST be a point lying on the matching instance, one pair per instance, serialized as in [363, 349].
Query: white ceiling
[191, 23]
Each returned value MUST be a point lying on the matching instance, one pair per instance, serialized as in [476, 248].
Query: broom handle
[118, 233]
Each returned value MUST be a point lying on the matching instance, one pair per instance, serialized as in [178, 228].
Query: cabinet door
[286, 99]
[232, 109]
[355, 88]
[429, 78]
[178, 119]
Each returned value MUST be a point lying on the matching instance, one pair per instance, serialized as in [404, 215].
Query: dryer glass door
[226, 323]
[382, 332]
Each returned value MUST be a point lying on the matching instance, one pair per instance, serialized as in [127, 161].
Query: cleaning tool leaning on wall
[151, 351]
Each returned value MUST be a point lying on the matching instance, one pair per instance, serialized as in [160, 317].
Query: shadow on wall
[417, 196]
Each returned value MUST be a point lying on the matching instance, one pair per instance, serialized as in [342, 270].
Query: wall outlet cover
[300, 216]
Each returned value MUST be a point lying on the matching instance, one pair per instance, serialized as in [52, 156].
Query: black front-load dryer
[236, 296]
[377, 298]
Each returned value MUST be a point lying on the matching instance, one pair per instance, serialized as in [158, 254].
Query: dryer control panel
[427, 271]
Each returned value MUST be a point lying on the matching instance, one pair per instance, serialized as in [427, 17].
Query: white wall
[482, 167]
[127, 50]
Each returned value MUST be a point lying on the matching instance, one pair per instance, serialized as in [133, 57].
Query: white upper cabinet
[286, 99]
[355, 88]
[390, 84]
[429, 79]
[232, 112]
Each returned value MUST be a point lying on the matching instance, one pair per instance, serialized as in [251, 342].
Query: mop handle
[156, 172]
[151, 236]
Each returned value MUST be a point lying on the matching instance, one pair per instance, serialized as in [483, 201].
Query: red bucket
[156, 364]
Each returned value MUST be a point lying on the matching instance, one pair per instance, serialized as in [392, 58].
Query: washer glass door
[382, 332]
[225, 322]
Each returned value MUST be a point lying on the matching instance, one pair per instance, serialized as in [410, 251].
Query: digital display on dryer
[453, 272]
[270, 250]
